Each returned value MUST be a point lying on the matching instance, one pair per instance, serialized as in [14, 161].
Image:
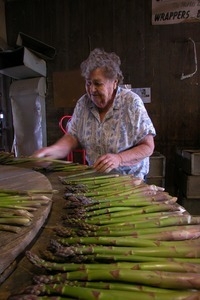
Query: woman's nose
[92, 88]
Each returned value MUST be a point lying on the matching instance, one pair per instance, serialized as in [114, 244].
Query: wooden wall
[152, 56]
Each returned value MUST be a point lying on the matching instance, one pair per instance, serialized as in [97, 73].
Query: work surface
[36, 239]
[25, 271]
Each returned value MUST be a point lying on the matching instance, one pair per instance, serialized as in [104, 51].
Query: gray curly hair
[108, 62]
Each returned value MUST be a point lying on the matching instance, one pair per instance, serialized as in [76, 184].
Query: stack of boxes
[156, 173]
[188, 179]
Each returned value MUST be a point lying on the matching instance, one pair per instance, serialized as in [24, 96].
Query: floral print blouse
[125, 124]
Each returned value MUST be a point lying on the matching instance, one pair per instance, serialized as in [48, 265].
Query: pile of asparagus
[17, 207]
[43, 164]
[119, 239]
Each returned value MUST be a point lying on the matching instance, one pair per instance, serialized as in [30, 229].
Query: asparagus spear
[159, 251]
[60, 277]
[163, 233]
[16, 220]
[170, 266]
[10, 228]
[103, 294]
[165, 221]
[143, 210]
[125, 241]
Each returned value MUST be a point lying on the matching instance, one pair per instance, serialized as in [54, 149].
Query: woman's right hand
[45, 152]
[59, 150]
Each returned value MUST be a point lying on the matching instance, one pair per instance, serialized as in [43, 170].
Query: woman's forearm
[136, 154]
[59, 149]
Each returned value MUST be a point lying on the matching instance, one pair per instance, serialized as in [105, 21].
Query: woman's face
[100, 89]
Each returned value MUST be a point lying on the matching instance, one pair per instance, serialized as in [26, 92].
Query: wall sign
[144, 93]
[165, 12]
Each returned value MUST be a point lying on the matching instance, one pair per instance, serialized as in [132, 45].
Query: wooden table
[24, 272]
[35, 238]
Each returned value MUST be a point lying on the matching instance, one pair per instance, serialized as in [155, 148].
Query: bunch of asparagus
[17, 207]
[119, 239]
[40, 164]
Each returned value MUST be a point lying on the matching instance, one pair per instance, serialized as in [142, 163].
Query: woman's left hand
[107, 162]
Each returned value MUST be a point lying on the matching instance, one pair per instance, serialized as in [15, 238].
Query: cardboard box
[157, 165]
[191, 161]
[191, 205]
[158, 181]
[189, 185]
[21, 63]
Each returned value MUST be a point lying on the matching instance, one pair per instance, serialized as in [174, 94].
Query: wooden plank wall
[152, 56]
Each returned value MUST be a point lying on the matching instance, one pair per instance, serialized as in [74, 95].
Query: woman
[109, 122]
